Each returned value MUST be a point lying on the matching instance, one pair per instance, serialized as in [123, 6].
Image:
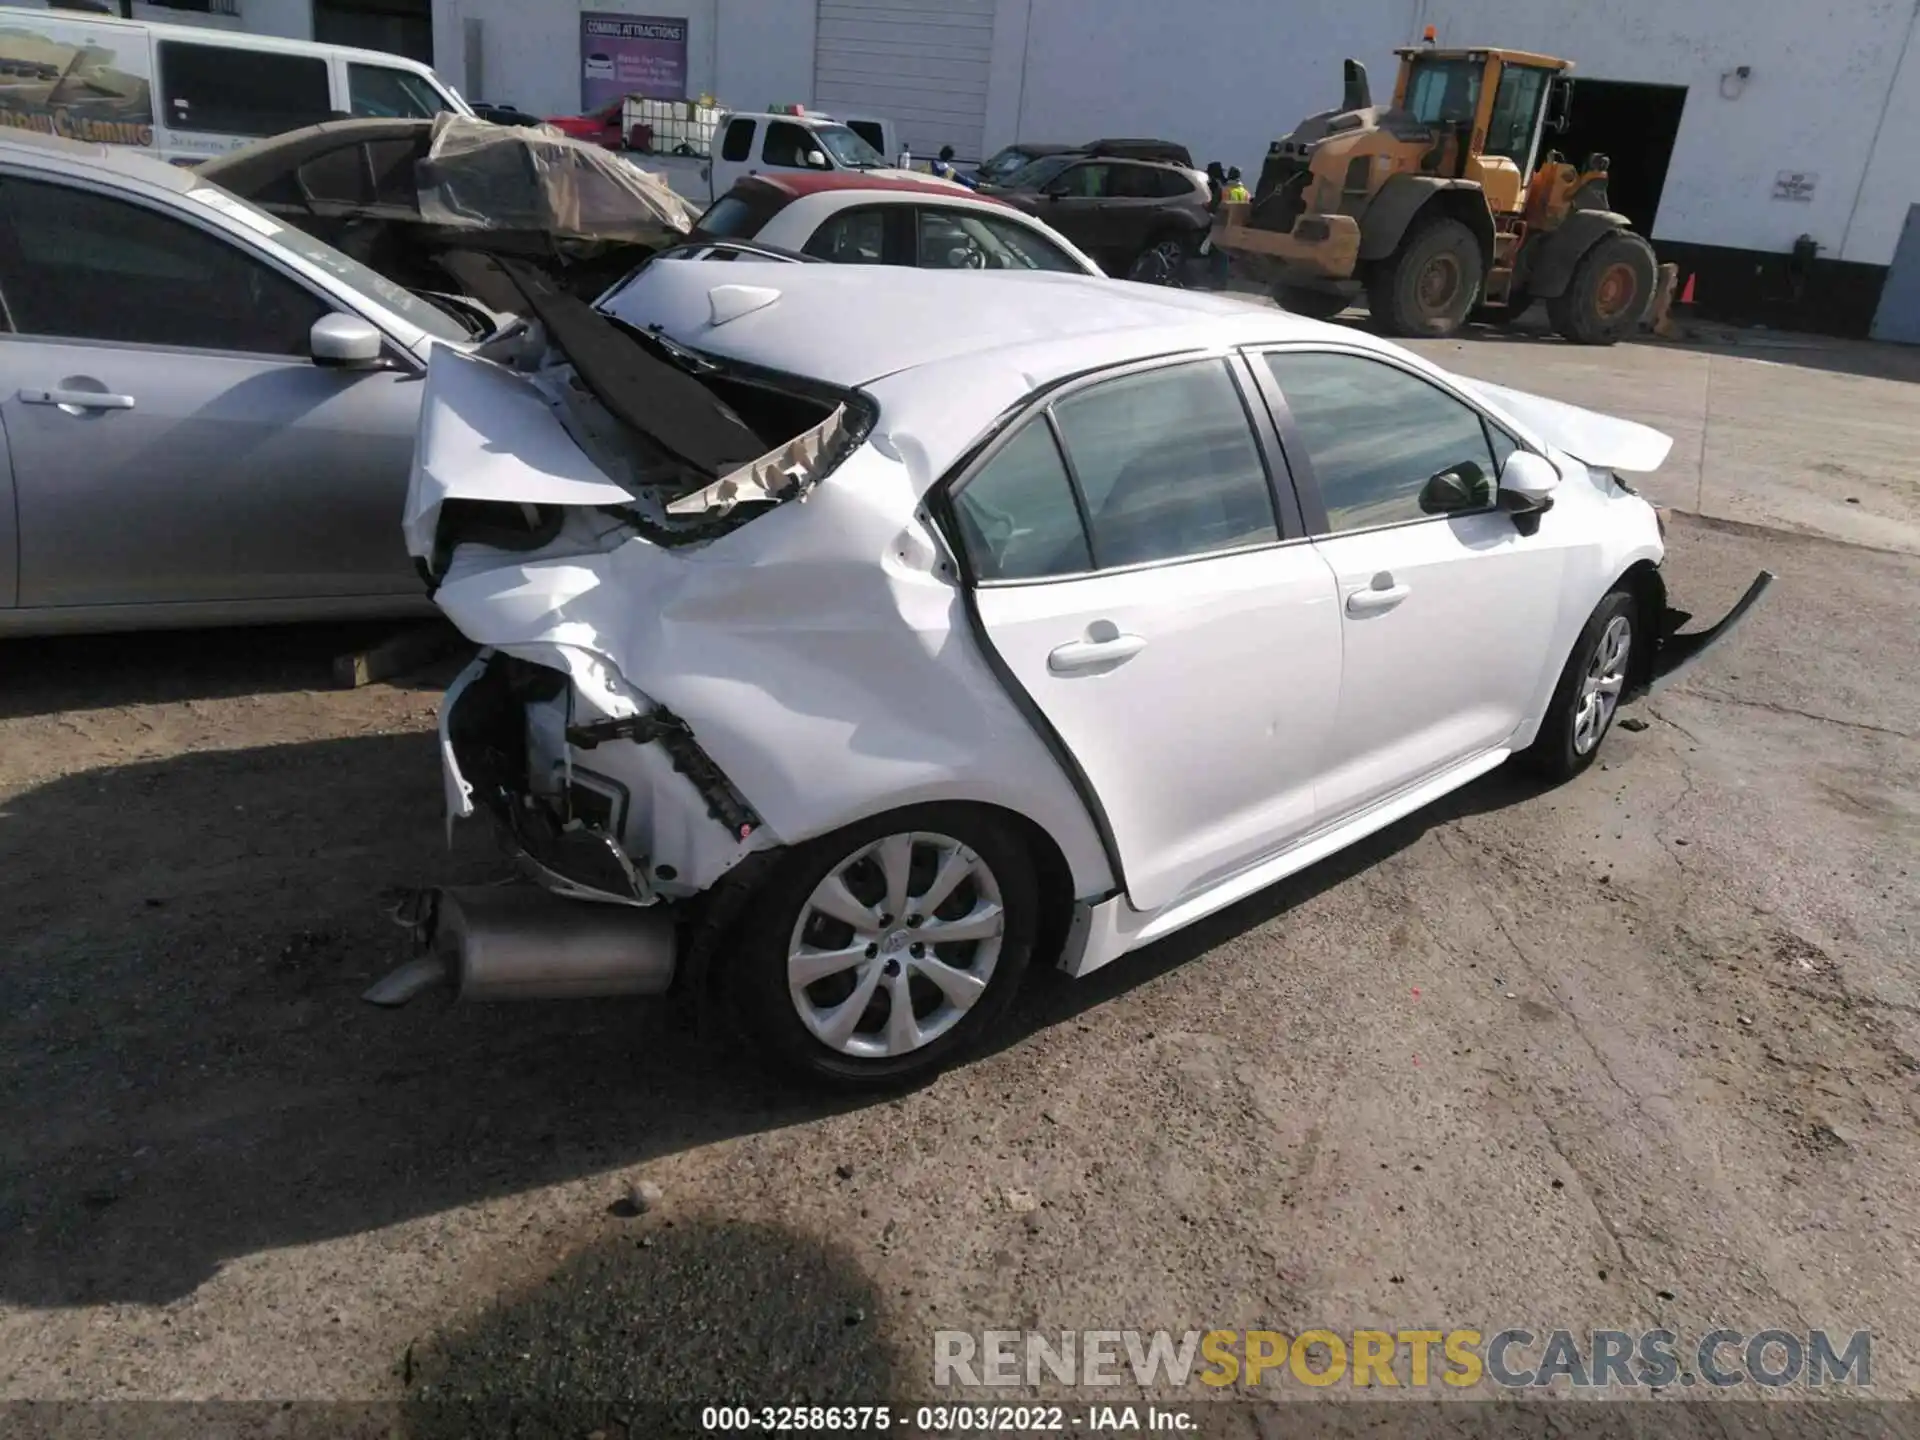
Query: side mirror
[345, 342]
[815, 160]
[1559, 104]
[1463, 487]
[1527, 483]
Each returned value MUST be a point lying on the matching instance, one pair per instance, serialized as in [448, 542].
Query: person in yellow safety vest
[944, 166]
[1235, 193]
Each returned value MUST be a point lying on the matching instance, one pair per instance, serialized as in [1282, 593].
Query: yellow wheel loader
[1443, 206]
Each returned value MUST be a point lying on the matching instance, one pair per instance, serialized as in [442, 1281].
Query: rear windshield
[739, 214]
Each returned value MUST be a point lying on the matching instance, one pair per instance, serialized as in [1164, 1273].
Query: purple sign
[623, 55]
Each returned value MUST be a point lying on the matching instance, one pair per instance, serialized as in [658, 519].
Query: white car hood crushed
[1604, 441]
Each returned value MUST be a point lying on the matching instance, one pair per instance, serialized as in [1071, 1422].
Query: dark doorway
[1633, 124]
[400, 27]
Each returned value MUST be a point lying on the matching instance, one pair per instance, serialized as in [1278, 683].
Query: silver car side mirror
[816, 160]
[346, 342]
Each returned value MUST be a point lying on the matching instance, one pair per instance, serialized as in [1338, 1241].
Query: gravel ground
[1638, 1051]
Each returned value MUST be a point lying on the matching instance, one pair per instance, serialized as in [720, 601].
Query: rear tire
[1431, 283]
[795, 925]
[1587, 697]
[1163, 262]
[1609, 292]
[1314, 304]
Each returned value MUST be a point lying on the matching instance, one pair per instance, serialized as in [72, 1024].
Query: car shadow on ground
[188, 1074]
[45, 676]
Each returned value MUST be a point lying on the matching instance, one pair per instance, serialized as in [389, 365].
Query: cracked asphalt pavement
[1637, 1051]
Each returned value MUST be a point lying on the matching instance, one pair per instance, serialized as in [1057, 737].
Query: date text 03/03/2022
[945, 1419]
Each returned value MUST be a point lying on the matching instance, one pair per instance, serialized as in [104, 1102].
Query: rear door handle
[1078, 655]
[77, 399]
[1373, 601]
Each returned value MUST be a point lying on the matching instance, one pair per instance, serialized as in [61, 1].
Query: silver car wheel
[1160, 265]
[895, 945]
[1600, 687]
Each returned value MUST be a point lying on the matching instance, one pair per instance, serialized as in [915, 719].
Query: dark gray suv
[1140, 219]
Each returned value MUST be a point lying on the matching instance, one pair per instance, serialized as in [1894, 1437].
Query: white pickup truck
[747, 143]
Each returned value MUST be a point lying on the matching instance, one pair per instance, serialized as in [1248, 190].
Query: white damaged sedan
[855, 637]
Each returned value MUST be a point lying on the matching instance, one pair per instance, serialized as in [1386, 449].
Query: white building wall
[1893, 172]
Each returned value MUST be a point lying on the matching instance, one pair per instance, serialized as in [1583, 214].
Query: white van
[183, 92]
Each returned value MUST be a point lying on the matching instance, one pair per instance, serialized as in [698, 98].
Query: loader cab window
[1444, 92]
[1516, 114]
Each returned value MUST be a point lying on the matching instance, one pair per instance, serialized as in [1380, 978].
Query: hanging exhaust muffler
[519, 942]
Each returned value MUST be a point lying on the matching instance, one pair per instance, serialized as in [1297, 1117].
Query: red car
[596, 127]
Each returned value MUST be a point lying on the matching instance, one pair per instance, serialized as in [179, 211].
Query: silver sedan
[206, 417]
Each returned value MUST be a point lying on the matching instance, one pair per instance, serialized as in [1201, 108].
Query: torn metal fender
[1605, 441]
[1677, 653]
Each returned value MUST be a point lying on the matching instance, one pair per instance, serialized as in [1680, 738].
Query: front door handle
[1378, 597]
[1077, 655]
[77, 399]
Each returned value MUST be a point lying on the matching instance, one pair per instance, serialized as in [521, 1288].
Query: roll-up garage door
[920, 63]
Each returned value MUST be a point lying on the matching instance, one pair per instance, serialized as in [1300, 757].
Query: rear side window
[853, 237]
[85, 266]
[1167, 465]
[737, 143]
[1018, 519]
[1163, 466]
[381, 90]
[233, 90]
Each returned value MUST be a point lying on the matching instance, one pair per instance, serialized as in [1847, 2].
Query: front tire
[1609, 292]
[881, 953]
[1164, 262]
[1587, 697]
[1314, 304]
[1431, 283]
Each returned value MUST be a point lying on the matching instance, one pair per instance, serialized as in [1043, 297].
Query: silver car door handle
[1092, 654]
[80, 399]
[1372, 602]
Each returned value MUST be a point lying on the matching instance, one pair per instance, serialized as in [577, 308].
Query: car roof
[32, 148]
[851, 324]
[797, 183]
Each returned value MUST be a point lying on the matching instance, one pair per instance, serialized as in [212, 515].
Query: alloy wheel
[1159, 265]
[895, 945]
[1600, 687]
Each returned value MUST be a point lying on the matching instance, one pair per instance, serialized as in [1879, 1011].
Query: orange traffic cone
[1686, 292]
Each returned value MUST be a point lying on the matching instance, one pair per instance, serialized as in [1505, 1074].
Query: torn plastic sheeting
[792, 468]
[483, 176]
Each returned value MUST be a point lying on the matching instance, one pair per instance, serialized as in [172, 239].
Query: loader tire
[1431, 282]
[1314, 304]
[1609, 292]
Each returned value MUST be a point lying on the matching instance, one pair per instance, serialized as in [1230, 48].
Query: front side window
[1018, 520]
[737, 144]
[382, 91]
[84, 266]
[1516, 113]
[787, 145]
[1167, 465]
[1444, 92]
[233, 90]
[1375, 435]
[1084, 182]
[968, 240]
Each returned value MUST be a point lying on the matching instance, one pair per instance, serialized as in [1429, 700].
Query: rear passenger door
[1131, 568]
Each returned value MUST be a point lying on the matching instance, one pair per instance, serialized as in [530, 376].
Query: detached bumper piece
[1677, 651]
